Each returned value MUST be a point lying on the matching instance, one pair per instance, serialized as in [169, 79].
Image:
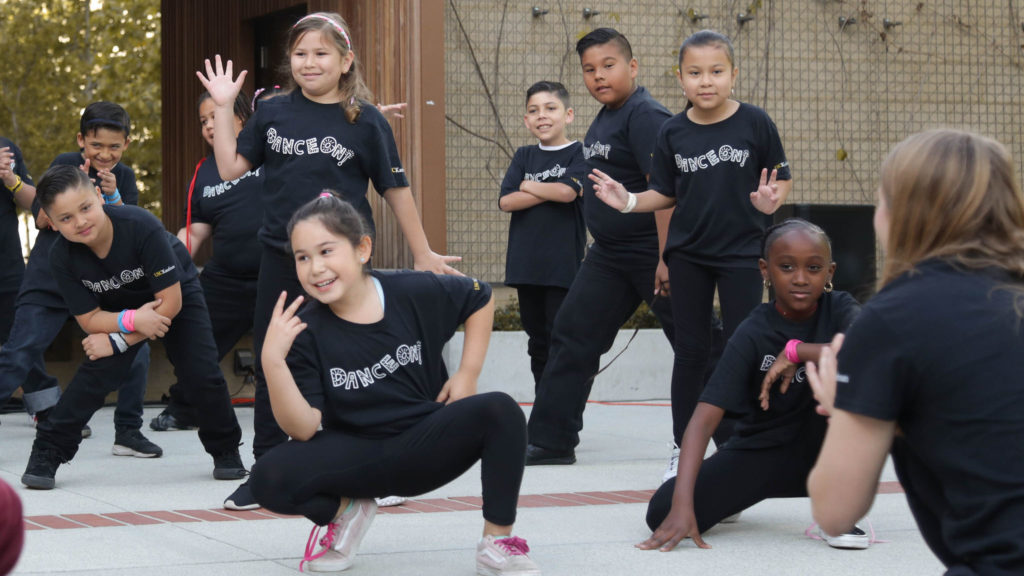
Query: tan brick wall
[855, 90]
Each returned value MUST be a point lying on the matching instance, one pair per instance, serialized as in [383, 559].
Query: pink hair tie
[333, 23]
[326, 194]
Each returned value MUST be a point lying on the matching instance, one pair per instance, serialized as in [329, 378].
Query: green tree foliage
[60, 55]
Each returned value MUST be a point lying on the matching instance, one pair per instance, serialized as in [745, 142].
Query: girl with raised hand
[324, 133]
[357, 380]
[721, 164]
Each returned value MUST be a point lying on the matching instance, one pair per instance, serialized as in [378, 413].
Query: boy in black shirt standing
[546, 237]
[125, 279]
[620, 268]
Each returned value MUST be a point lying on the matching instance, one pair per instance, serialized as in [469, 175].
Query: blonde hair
[333, 28]
[954, 195]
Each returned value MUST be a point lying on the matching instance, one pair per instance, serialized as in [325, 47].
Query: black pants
[277, 274]
[731, 481]
[190, 349]
[7, 300]
[605, 293]
[538, 306]
[310, 478]
[231, 302]
[693, 294]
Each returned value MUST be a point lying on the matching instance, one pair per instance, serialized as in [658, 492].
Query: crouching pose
[125, 279]
[357, 380]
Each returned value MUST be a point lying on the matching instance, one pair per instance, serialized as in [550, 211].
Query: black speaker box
[851, 228]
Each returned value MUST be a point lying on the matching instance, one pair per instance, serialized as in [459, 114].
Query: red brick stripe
[411, 506]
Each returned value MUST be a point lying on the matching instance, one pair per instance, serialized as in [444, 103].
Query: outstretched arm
[404, 206]
[291, 409]
[614, 194]
[223, 90]
[681, 521]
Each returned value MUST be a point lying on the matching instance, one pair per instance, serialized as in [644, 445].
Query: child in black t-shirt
[546, 236]
[323, 133]
[779, 434]
[356, 378]
[932, 368]
[103, 136]
[20, 193]
[228, 213]
[712, 163]
[622, 264]
[125, 279]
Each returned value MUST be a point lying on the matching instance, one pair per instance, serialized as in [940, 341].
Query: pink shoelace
[325, 543]
[514, 545]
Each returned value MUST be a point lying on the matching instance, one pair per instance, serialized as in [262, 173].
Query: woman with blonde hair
[932, 369]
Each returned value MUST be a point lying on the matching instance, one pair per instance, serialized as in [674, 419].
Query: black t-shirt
[12, 263]
[39, 286]
[620, 143]
[941, 352]
[546, 242]
[750, 352]
[306, 147]
[379, 379]
[711, 169]
[234, 209]
[143, 260]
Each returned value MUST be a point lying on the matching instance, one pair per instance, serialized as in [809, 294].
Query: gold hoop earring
[767, 283]
[828, 287]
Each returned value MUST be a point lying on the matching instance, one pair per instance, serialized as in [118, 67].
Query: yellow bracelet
[16, 186]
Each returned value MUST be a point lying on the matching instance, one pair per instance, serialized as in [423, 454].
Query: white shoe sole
[390, 501]
[119, 450]
[848, 541]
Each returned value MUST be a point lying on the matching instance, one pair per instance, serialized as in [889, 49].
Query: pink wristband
[791, 354]
[129, 320]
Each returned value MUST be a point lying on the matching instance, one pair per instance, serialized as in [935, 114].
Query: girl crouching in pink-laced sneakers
[357, 380]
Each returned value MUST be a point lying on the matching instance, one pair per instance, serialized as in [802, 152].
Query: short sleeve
[158, 259]
[464, 296]
[662, 164]
[643, 123]
[729, 386]
[78, 298]
[303, 362]
[250, 143]
[381, 160]
[576, 171]
[874, 370]
[772, 152]
[514, 174]
[19, 165]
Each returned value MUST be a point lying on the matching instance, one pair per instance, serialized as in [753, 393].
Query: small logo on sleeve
[160, 273]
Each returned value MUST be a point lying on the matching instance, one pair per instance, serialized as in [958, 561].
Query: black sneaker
[241, 498]
[539, 456]
[133, 443]
[228, 466]
[42, 467]
[168, 421]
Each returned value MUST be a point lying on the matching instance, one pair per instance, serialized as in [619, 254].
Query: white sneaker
[390, 501]
[337, 549]
[855, 539]
[673, 465]
[504, 557]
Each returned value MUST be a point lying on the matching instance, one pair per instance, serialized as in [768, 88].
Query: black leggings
[693, 295]
[731, 481]
[310, 478]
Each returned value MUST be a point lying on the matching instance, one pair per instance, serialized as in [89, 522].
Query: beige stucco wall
[831, 91]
